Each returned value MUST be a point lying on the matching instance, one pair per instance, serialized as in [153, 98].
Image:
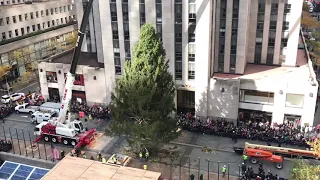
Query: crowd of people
[249, 174]
[254, 128]
[95, 111]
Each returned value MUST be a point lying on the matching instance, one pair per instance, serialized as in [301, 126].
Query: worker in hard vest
[145, 167]
[90, 117]
[147, 155]
[245, 157]
[104, 160]
[140, 156]
[99, 157]
[84, 156]
[114, 159]
[294, 170]
[224, 170]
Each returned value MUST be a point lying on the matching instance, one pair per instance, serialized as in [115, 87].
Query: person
[99, 157]
[294, 170]
[140, 156]
[191, 177]
[91, 158]
[62, 154]
[90, 117]
[147, 155]
[114, 159]
[201, 176]
[245, 157]
[84, 156]
[258, 178]
[145, 167]
[244, 168]
[104, 160]
[224, 170]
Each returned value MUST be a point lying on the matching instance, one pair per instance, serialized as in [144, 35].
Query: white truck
[50, 106]
[42, 116]
[26, 108]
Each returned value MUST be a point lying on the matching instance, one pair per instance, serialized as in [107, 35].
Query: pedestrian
[84, 155]
[244, 168]
[201, 177]
[99, 157]
[145, 167]
[191, 177]
[91, 158]
[224, 170]
[104, 160]
[140, 156]
[90, 117]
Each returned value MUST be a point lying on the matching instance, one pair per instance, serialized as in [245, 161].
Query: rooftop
[86, 59]
[16, 5]
[257, 71]
[73, 168]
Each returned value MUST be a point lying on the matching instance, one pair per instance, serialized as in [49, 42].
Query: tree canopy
[307, 21]
[142, 106]
[302, 171]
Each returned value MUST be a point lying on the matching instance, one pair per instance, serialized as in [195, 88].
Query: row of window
[115, 36]
[7, 2]
[53, 78]
[36, 27]
[40, 50]
[32, 15]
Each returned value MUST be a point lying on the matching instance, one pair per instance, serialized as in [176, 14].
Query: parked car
[26, 108]
[13, 97]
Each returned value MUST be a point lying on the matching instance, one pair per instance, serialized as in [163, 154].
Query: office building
[226, 56]
[37, 29]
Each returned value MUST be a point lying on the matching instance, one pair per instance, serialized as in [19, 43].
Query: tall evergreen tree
[143, 102]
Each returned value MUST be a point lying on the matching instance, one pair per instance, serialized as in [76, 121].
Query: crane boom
[67, 93]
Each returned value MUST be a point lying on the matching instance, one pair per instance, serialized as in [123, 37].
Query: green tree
[143, 103]
[302, 171]
[305, 7]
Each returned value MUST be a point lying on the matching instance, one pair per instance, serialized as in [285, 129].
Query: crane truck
[61, 129]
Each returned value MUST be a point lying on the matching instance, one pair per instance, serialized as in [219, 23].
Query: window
[48, 23]
[4, 37]
[69, 8]
[51, 77]
[192, 18]
[1, 21]
[178, 70]
[125, 16]
[233, 59]
[126, 31]
[16, 32]
[192, 57]
[43, 25]
[31, 15]
[115, 35]
[159, 31]
[256, 97]
[28, 29]
[53, 23]
[10, 34]
[26, 17]
[22, 31]
[47, 12]
[8, 20]
[61, 20]
[294, 100]
[64, 8]
[14, 20]
[273, 25]
[42, 13]
[39, 27]
[262, 5]
[287, 8]
[60, 9]
[57, 22]
[257, 55]
[270, 54]
[285, 26]
[284, 42]
[158, 13]
[178, 13]
[37, 14]
[191, 70]
[33, 27]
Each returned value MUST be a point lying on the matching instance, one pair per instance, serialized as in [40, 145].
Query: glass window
[294, 100]
[256, 97]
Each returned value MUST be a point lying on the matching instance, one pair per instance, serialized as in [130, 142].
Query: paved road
[31, 87]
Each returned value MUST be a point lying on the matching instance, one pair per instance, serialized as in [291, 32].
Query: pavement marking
[25, 116]
[26, 87]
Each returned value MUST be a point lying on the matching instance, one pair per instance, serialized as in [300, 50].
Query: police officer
[224, 170]
[147, 155]
[245, 157]
[104, 160]
[114, 159]
[140, 156]
[145, 167]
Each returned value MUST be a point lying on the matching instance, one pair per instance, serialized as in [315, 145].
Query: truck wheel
[17, 112]
[73, 143]
[279, 165]
[254, 160]
[53, 139]
[46, 138]
[65, 142]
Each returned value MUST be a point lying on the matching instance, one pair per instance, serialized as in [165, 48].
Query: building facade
[37, 30]
[226, 56]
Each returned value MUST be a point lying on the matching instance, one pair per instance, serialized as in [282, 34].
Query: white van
[50, 106]
[42, 116]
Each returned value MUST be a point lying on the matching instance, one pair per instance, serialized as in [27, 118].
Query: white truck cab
[42, 116]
